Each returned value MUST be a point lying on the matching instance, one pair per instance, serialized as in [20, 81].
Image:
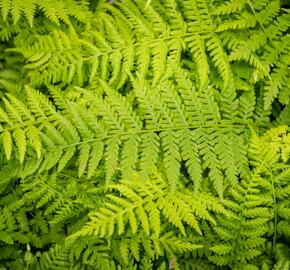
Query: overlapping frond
[266, 30]
[124, 139]
[157, 138]
[55, 11]
[142, 204]
[153, 40]
[257, 205]
[131, 37]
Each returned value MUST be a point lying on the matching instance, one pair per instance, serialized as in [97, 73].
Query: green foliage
[144, 134]
[55, 11]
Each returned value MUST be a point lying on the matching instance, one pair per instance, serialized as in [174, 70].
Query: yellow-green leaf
[33, 136]
[7, 143]
[20, 139]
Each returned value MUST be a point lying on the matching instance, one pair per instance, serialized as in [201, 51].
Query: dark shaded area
[285, 3]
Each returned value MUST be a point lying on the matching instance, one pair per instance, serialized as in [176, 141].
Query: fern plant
[144, 134]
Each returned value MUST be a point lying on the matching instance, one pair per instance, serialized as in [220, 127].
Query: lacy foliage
[144, 134]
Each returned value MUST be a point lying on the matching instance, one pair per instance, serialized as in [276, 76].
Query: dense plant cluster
[144, 134]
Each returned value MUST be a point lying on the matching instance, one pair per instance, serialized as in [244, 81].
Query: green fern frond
[55, 50]
[61, 134]
[56, 12]
[158, 136]
[137, 202]
[254, 204]
[246, 229]
[142, 246]
[56, 257]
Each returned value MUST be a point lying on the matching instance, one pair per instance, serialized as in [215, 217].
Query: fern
[144, 134]
[57, 130]
[56, 12]
[144, 211]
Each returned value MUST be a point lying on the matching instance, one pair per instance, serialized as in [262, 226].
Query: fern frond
[254, 204]
[121, 135]
[229, 7]
[158, 136]
[56, 12]
[138, 200]
[55, 50]
[250, 231]
[53, 200]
